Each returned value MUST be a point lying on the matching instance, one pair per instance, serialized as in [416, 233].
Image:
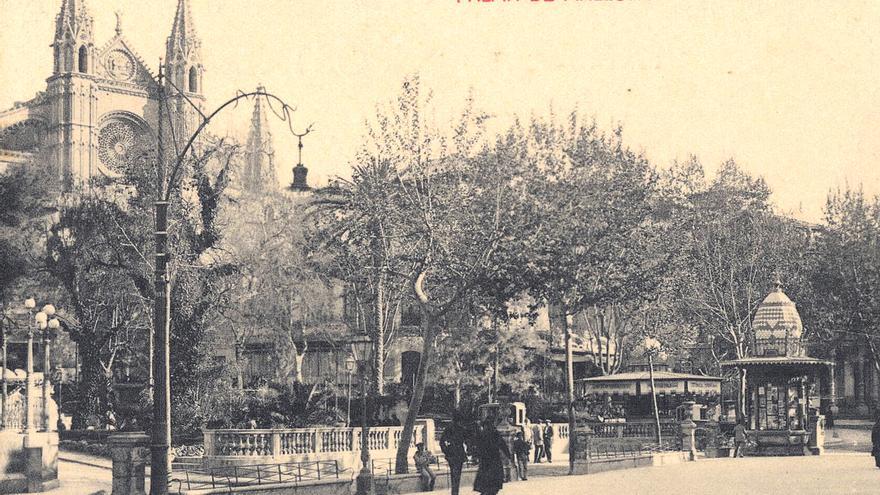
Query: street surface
[850, 473]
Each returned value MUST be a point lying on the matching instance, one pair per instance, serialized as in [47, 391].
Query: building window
[83, 60]
[259, 365]
[193, 80]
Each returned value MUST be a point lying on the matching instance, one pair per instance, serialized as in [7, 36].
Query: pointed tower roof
[74, 21]
[777, 325]
[183, 40]
[259, 173]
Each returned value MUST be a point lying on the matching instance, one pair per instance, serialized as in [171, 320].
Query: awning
[639, 383]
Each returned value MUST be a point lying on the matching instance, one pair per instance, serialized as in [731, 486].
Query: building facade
[100, 107]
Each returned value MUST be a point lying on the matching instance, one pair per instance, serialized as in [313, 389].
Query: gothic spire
[73, 45]
[74, 23]
[183, 44]
[259, 173]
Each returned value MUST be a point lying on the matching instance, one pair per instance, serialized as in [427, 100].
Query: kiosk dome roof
[777, 325]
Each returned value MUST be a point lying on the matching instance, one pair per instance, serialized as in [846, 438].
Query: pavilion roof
[777, 361]
[645, 375]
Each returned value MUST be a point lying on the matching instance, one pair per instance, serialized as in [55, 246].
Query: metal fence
[196, 477]
[624, 451]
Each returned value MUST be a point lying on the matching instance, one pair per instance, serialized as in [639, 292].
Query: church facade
[100, 107]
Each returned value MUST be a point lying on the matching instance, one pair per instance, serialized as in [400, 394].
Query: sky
[789, 89]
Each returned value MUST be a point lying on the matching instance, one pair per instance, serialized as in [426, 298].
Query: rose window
[118, 143]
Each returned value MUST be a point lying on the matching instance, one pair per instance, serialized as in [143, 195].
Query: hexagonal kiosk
[783, 384]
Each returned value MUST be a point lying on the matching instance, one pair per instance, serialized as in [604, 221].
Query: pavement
[849, 435]
[843, 471]
[850, 473]
[82, 479]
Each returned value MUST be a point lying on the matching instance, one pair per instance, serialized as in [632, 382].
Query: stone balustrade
[631, 430]
[242, 446]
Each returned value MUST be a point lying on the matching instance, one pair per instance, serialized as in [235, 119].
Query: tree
[847, 273]
[24, 201]
[470, 352]
[96, 250]
[595, 245]
[733, 243]
[99, 270]
[280, 291]
[434, 209]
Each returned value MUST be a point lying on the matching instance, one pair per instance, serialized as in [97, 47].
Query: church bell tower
[71, 140]
[183, 72]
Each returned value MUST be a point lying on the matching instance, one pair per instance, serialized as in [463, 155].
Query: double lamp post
[43, 321]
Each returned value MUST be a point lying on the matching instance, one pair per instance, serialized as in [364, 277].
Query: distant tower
[259, 169]
[71, 140]
[184, 70]
[74, 47]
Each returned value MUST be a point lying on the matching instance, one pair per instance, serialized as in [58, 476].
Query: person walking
[423, 460]
[739, 439]
[875, 440]
[526, 429]
[453, 445]
[521, 452]
[492, 451]
[548, 441]
[538, 440]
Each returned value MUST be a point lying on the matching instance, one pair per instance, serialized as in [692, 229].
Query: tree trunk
[415, 403]
[92, 387]
[741, 393]
[239, 367]
[457, 394]
[379, 336]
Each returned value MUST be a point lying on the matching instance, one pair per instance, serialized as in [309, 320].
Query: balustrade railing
[771, 347]
[632, 430]
[291, 442]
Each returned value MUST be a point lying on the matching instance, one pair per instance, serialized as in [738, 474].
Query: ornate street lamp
[44, 322]
[361, 352]
[350, 365]
[652, 348]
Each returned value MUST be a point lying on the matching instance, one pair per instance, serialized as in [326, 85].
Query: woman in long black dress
[490, 448]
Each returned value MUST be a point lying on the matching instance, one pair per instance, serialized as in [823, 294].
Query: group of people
[483, 442]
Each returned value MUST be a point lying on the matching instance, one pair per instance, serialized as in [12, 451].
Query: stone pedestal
[129, 451]
[584, 439]
[688, 443]
[41, 461]
[817, 434]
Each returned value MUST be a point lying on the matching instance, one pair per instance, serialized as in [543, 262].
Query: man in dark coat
[452, 443]
[548, 440]
[492, 451]
[875, 440]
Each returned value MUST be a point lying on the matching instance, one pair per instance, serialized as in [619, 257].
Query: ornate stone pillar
[688, 442]
[129, 451]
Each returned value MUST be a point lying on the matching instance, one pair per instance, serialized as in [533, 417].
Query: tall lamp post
[167, 182]
[361, 351]
[652, 349]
